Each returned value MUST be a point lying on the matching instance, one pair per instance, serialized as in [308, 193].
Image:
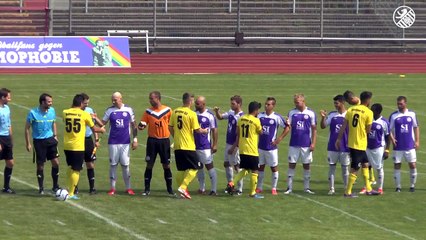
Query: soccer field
[28, 215]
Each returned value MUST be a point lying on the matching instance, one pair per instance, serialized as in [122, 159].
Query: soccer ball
[61, 194]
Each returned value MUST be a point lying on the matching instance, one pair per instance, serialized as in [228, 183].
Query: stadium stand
[30, 19]
[268, 25]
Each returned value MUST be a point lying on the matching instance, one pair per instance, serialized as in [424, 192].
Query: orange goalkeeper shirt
[157, 120]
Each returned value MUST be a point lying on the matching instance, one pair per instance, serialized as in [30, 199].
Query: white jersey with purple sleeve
[379, 130]
[301, 123]
[270, 124]
[119, 121]
[402, 126]
[207, 120]
[231, 132]
[335, 121]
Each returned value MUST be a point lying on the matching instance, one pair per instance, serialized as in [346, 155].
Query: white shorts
[205, 156]
[119, 153]
[338, 157]
[269, 158]
[409, 156]
[304, 153]
[233, 159]
[375, 157]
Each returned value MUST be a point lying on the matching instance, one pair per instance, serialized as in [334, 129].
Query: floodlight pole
[70, 32]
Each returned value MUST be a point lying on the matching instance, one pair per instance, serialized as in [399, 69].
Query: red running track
[255, 63]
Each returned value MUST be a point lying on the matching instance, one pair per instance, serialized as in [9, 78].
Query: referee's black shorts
[358, 157]
[187, 159]
[249, 162]
[6, 152]
[45, 149]
[160, 146]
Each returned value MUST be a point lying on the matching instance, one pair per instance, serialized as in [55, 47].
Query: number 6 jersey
[358, 117]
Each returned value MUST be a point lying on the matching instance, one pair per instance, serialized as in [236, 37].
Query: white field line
[60, 223]
[316, 220]
[161, 221]
[410, 219]
[84, 209]
[355, 217]
[7, 223]
[265, 220]
[212, 220]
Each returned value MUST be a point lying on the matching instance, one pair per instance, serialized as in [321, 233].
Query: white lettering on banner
[44, 57]
[49, 46]
[17, 45]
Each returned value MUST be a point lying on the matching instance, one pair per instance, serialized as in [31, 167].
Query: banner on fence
[64, 52]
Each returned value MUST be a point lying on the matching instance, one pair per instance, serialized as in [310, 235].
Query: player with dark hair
[42, 120]
[76, 120]
[248, 130]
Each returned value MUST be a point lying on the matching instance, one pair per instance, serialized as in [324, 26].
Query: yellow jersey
[75, 121]
[184, 121]
[358, 117]
[249, 130]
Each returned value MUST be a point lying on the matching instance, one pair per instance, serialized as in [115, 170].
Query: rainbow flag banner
[70, 51]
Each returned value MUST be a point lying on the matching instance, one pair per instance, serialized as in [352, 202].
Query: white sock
[331, 174]
[413, 177]
[201, 179]
[260, 178]
[306, 178]
[213, 179]
[126, 175]
[274, 180]
[397, 177]
[345, 175]
[240, 183]
[229, 173]
[112, 175]
[380, 177]
[290, 175]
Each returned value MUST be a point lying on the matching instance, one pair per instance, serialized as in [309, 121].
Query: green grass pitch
[27, 215]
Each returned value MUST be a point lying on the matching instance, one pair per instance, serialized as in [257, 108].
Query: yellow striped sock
[351, 181]
[240, 175]
[189, 176]
[74, 177]
[366, 175]
[253, 183]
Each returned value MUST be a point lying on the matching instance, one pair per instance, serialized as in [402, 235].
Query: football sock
[397, 177]
[290, 178]
[188, 177]
[148, 177]
[345, 175]
[371, 171]
[253, 183]
[112, 175]
[274, 180]
[331, 174]
[213, 178]
[240, 182]
[74, 176]
[413, 177]
[240, 176]
[306, 178]
[169, 179]
[201, 179]
[55, 176]
[352, 179]
[126, 176]
[179, 177]
[229, 173]
[40, 178]
[7, 176]
[380, 177]
[366, 175]
[260, 180]
[91, 177]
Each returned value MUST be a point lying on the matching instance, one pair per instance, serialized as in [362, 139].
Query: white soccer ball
[61, 194]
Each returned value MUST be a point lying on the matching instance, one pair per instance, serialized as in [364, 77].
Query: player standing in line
[157, 119]
[76, 120]
[303, 139]
[248, 131]
[206, 145]
[121, 119]
[405, 136]
[6, 144]
[42, 120]
[268, 143]
[183, 124]
[232, 160]
[359, 119]
[335, 120]
[378, 144]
